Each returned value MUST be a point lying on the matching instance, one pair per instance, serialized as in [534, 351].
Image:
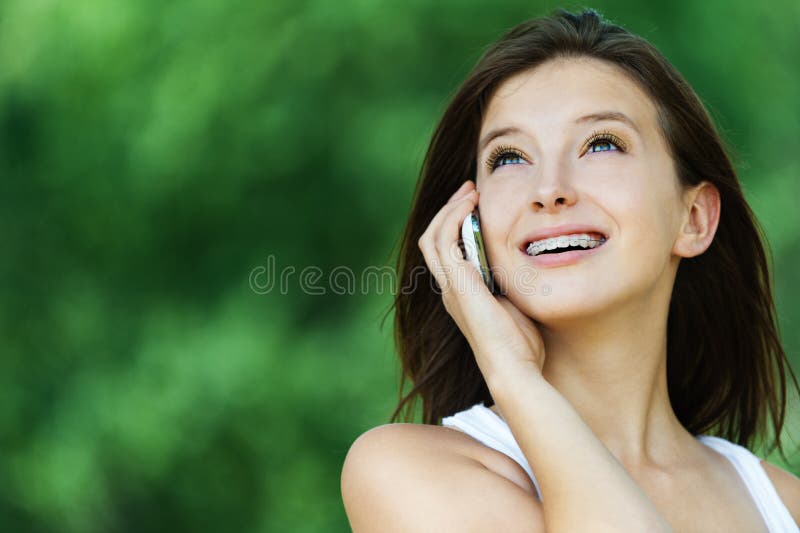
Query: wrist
[506, 382]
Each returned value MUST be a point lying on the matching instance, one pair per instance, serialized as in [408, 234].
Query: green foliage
[152, 154]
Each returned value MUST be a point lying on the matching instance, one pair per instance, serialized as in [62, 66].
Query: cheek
[493, 203]
[497, 219]
[646, 221]
[499, 194]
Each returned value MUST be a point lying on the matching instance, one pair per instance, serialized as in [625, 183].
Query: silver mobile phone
[474, 250]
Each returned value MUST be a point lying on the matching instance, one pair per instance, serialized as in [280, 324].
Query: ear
[699, 220]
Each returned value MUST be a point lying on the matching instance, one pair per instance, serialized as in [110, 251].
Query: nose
[551, 191]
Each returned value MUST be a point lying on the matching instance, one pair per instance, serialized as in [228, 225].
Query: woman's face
[561, 168]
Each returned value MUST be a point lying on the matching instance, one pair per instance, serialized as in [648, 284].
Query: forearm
[583, 486]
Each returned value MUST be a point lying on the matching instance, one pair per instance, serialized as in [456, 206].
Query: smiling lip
[555, 231]
[562, 258]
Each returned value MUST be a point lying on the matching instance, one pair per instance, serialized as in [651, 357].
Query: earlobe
[701, 220]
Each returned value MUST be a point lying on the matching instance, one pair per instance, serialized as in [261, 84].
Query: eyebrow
[593, 117]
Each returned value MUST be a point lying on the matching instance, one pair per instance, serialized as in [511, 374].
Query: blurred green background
[154, 155]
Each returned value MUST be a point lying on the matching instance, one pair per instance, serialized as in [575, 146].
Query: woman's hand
[505, 340]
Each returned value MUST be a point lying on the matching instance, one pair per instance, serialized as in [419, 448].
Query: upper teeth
[563, 241]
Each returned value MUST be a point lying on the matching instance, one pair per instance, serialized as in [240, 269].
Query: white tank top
[483, 424]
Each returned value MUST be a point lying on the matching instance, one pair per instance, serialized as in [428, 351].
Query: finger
[428, 242]
[461, 190]
[454, 263]
[526, 323]
[448, 231]
[433, 227]
[434, 265]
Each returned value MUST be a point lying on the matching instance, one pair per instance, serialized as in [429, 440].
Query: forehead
[558, 91]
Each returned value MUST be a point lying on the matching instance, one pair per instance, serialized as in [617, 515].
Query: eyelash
[596, 137]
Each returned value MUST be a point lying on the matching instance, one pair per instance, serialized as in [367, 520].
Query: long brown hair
[726, 366]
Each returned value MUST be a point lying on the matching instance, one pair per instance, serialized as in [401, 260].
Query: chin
[560, 304]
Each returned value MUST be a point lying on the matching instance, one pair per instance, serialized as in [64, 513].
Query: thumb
[525, 323]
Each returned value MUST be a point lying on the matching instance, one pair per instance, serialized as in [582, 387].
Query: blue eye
[607, 139]
[600, 141]
[603, 142]
[506, 155]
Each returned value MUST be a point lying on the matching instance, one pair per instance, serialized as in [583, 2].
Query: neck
[612, 369]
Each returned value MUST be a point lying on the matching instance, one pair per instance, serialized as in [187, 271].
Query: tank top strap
[483, 424]
[748, 465]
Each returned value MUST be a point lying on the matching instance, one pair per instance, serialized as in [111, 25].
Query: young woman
[583, 397]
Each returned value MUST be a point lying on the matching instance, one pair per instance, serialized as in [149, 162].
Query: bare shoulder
[419, 477]
[787, 485]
